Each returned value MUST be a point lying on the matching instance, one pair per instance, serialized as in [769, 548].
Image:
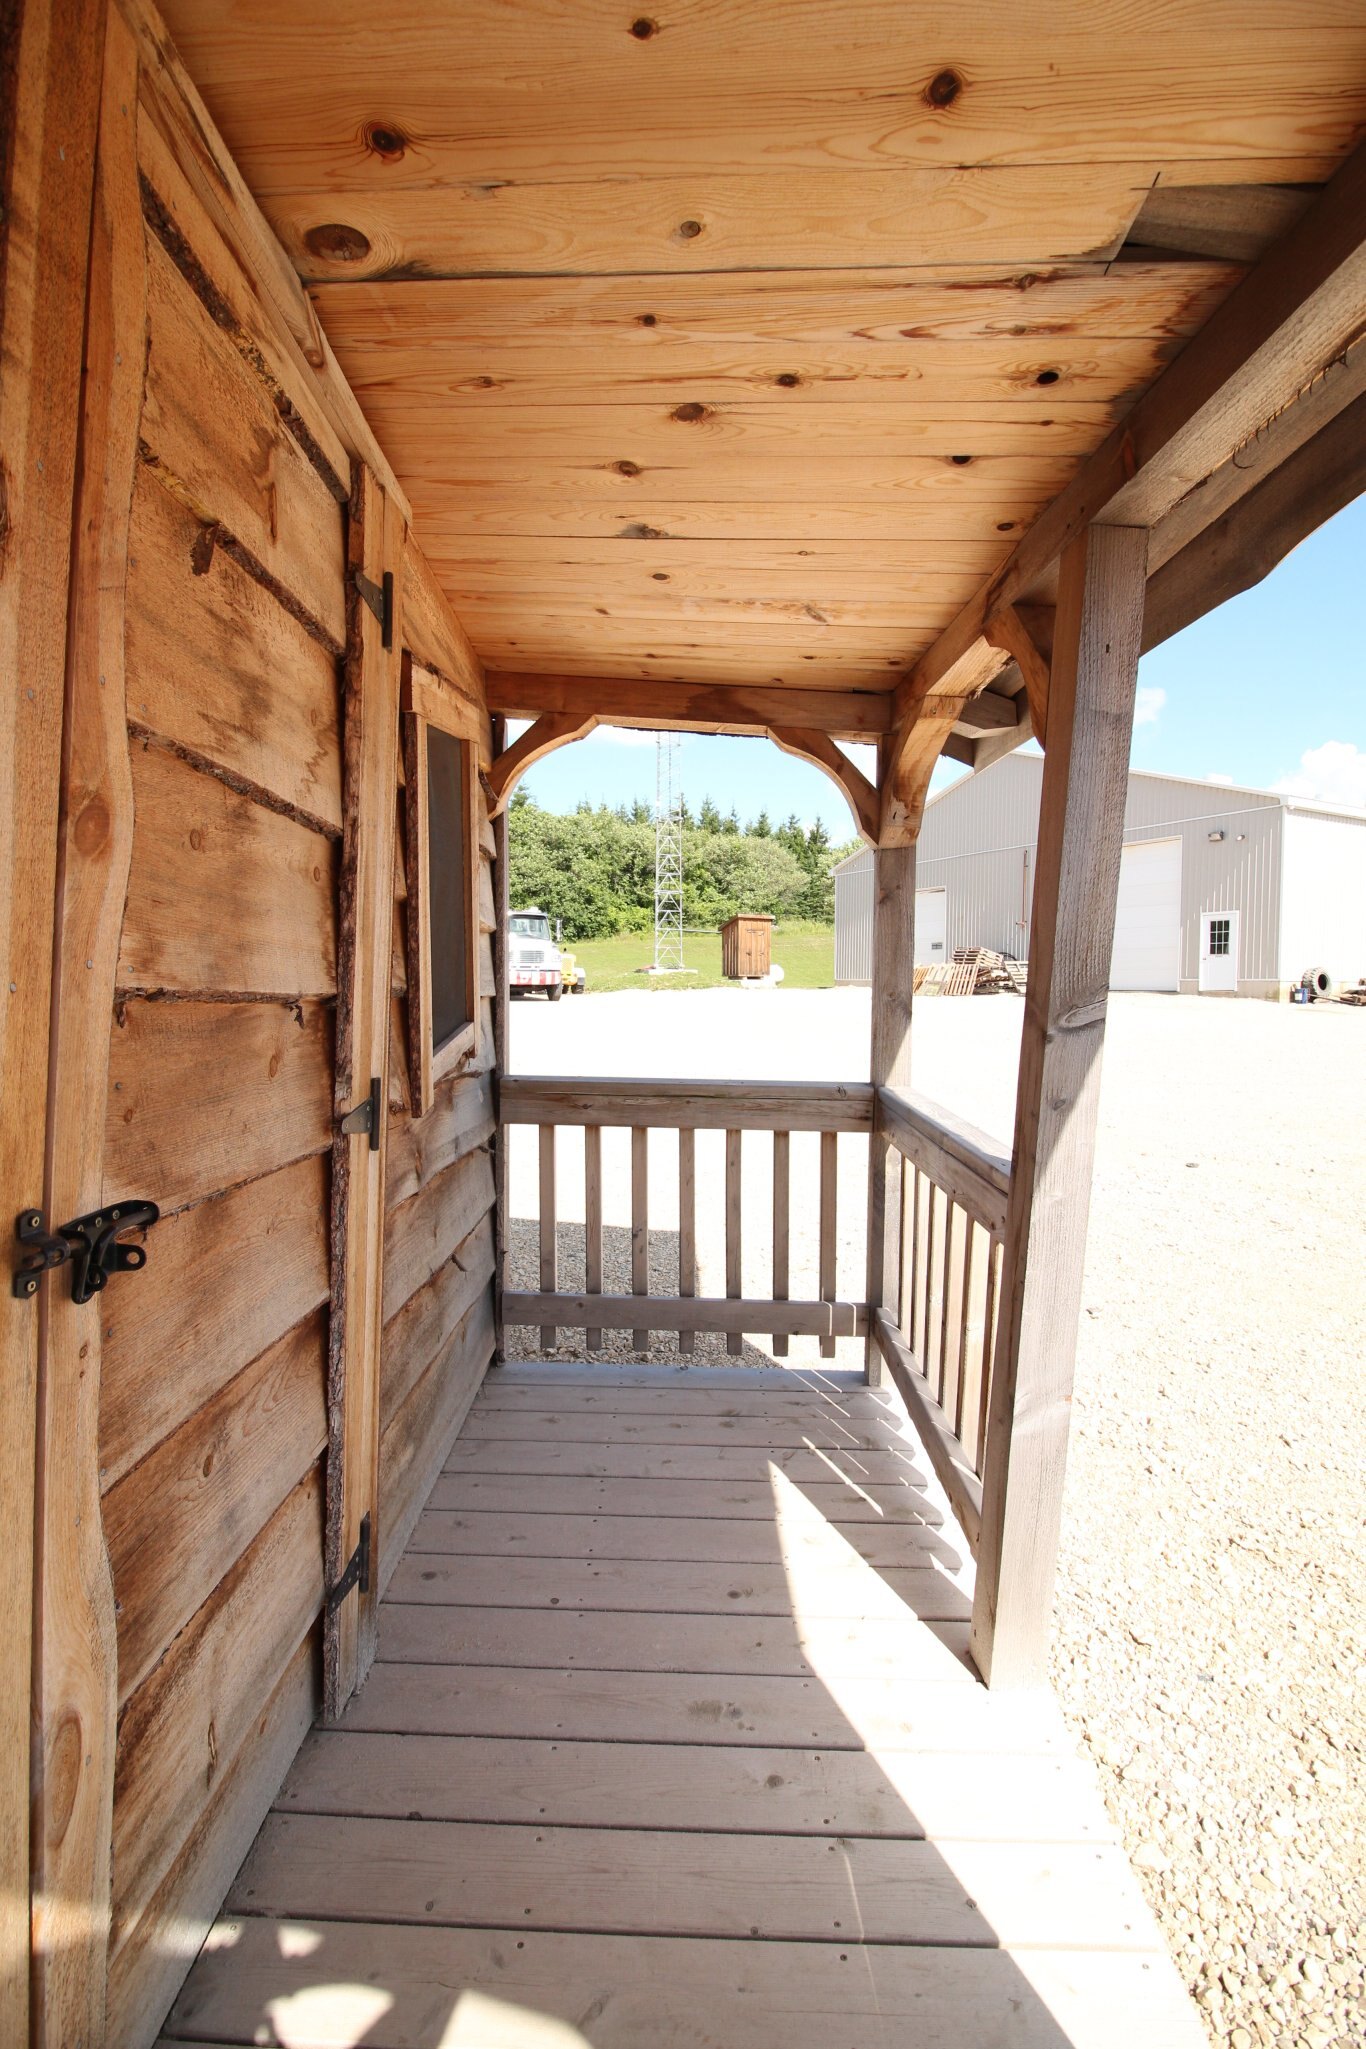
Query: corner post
[1081, 824]
[502, 1038]
[889, 1067]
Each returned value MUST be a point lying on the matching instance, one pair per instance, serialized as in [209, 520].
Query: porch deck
[673, 1741]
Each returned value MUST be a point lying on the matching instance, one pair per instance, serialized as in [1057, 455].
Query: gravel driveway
[1211, 1640]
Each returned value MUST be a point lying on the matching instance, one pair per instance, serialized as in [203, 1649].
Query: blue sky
[1269, 691]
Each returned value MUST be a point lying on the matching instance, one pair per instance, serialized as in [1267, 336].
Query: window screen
[448, 884]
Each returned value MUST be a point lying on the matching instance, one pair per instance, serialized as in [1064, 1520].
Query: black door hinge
[90, 1243]
[380, 598]
[365, 1116]
[357, 1573]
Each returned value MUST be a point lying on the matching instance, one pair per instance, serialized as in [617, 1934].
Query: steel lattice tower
[668, 856]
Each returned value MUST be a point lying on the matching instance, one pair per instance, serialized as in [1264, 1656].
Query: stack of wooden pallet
[973, 971]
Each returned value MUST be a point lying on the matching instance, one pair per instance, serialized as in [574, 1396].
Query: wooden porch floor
[672, 1741]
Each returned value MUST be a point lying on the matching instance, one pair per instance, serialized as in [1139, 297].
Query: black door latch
[90, 1243]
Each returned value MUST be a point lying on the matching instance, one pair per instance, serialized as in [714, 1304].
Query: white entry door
[1218, 953]
[931, 925]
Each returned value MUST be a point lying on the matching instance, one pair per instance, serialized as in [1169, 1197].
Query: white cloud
[1334, 774]
[1215, 777]
[1147, 705]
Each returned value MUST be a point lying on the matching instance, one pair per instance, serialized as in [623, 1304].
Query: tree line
[594, 868]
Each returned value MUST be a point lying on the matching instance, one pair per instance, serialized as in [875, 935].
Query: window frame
[426, 703]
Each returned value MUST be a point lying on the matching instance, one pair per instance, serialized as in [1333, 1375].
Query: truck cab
[534, 960]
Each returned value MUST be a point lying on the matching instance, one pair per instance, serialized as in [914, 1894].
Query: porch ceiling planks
[741, 344]
[709, 1778]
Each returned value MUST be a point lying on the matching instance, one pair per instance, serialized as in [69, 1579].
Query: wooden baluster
[988, 1348]
[906, 1281]
[969, 1327]
[687, 1227]
[640, 1224]
[933, 1284]
[549, 1259]
[829, 1241]
[735, 1343]
[920, 1271]
[592, 1223]
[950, 1363]
[782, 1229]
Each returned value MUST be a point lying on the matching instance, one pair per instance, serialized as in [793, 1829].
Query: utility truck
[534, 960]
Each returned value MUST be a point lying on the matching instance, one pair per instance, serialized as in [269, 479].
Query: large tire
[555, 992]
[1319, 982]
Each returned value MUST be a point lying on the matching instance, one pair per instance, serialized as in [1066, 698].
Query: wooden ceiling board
[741, 341]
[414, 325]
[566, 90]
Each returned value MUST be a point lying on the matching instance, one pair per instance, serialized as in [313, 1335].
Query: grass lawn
[805, 952]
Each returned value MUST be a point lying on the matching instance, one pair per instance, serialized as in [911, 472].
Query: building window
[441, 799]
[1220, 930]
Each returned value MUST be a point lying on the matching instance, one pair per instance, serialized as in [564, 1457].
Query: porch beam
[1086, 771]
[1294, 324]
[1291, 317]
[1238, 549]
[694, 707]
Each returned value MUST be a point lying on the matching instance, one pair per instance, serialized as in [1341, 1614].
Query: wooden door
[202, 1421]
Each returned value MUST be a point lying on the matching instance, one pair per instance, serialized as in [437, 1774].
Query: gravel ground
[1211, 1640]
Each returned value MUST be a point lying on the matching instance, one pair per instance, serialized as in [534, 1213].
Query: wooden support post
[370, 795]
[502, 1033]
[889, 1067]
[1085, 782]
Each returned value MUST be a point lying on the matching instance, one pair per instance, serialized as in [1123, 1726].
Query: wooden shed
[371, 377]
[746, 946]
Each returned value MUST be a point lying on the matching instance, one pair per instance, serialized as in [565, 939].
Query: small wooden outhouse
[746, 946]
[371, 377]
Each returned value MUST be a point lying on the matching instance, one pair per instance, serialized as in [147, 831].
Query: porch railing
[687, 1108]
[937, 1334]
[935, 1331]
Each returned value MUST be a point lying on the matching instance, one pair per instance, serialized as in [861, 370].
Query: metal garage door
[1147, 951]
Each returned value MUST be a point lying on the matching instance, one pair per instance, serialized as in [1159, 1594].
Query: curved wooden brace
[822, 753]
[1007, 630]
[556, 729]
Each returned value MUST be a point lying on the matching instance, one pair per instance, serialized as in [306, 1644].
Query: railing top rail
[687, 1105]
[972, 1167]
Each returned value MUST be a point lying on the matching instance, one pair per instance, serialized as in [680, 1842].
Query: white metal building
[1223, 891]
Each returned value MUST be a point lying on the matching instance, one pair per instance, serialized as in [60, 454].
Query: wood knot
[961, 460]
[689, 412]
[788, 379]
[943, 89]
[638, 531]
[335, 242]
[660, 575]
[385, 140]
[648, 320]
[1048, 376]
[688, 231]
[626, 469]
[642, 28]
